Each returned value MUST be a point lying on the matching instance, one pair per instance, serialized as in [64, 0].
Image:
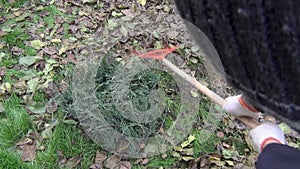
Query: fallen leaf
[89, 1]
[62, 160]
[1, 107]
[70, 121]
[191, 138]
[125, 165]
[2, 71]
[203, 162]
[33, 84]
[220, 134]
[62, 50]
[2, 19]
[190, 152]
[227, 154]
[164, 155]
[47, 133]
[122, 146]
[100, 158]
[74, 161]
[69, 58]
[22, 17]
[176, 154]
[27, 61]
[5, 87]
[37, 44]
[194, 94]
[18, 13]
[28, 152]
[6, 29]
[230, 163]
[124, 31]
[55, 40]
[113, 162]
[51, 107]
[194, 60]
[37, 108]
[111, 24]
[51, 50]
[114, 13]
[187, 158]
[242, 166]
[142, 2]
[145, 161]
[17, 51]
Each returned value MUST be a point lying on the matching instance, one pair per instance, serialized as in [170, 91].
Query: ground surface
[42, 44]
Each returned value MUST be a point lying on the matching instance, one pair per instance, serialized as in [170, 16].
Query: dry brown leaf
[69, 58]
[25, 141]
[220, 134]
[51, 50]
[51, 107]
[122, 146]
[145, 161]
[125, 165]
[62, 160]
[63, 86]
[2, 71]
[100, 157]
[113, 162]
[74, 161]
[28, 152]
[128, 12]
[17, 51]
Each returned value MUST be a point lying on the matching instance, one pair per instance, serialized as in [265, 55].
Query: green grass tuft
[12, 75]
[15, 123]
[11, 160]
[205, 142]
[15, 4]
[71, 141]
[157, 162]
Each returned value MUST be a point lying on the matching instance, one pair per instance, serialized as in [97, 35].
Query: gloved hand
[236, 106]
[265, 133]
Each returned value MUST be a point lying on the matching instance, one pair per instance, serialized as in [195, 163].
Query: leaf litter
[54, 34]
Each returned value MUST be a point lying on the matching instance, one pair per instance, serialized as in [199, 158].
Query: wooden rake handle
[210, 94]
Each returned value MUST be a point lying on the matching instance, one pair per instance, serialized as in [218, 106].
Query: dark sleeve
[278, 156]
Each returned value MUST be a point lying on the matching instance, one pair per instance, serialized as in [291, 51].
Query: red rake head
[158, 54]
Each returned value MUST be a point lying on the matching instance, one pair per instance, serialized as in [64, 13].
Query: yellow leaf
[187, 158]
[5, 86]
[62, 50]
[55, 40]
[142, 2]
[175, 154]
[82, 13]
[177, 148]
[194, 93]
[230, 163]
[37, 44]
[191, 138]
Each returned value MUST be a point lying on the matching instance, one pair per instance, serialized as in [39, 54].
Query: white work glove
[237, 107]
[265, 132]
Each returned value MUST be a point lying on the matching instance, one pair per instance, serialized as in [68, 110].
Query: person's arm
[278, 156]
[267, 138]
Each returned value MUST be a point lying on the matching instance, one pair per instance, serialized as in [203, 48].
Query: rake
[162, 53]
